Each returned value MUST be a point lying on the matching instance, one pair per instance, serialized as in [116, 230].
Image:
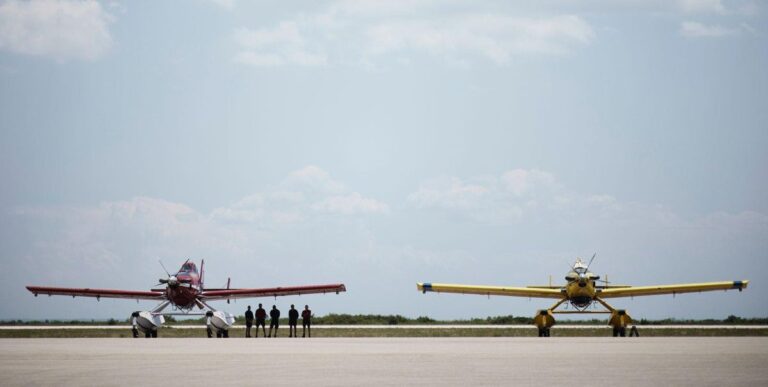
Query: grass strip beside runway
[395, 332]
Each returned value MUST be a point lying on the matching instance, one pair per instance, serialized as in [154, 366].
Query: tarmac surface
[595, 361]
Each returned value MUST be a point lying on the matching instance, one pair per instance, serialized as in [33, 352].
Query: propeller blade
[166, 270]
[590, 261]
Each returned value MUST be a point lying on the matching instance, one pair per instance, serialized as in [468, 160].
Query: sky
[380, 144]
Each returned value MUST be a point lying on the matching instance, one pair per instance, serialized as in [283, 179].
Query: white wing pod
[220, 320]
[146, 321]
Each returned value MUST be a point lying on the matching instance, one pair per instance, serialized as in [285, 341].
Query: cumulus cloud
[704, 6]
[283, 44]
[494, 37]
[374, 31]
[57, 29]
[304, 194]
[698, 30]
[226, 4]
[502, 198]
[527, 197]
[350, 204]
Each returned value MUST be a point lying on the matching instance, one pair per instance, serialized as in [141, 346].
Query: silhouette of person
[306, 322]
[293, 318]
[248, 321]
[274, 320]
[261, 319]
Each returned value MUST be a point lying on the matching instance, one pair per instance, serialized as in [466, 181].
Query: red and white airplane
[184, 291]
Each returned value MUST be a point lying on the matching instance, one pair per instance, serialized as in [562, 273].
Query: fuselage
[184, 290]
[580, 288]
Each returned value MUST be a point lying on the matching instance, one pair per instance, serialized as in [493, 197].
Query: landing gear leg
[135, 332]
[619, 321]
[544, 321]
[209, 332]
[147, 335]
[225, 333]
[154, 334]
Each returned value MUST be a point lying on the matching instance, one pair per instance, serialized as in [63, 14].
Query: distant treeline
[377, 319]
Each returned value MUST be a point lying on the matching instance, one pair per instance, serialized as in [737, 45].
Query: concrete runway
[595, 361]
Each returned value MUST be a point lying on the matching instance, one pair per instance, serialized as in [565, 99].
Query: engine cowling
[220, 320]
[146, 322]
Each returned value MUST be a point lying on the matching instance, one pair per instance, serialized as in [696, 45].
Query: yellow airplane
[581, 291]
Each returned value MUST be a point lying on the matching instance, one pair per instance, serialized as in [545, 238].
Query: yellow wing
[490, 290]
[634, 291]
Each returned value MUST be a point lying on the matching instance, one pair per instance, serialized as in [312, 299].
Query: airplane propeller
[171, 281]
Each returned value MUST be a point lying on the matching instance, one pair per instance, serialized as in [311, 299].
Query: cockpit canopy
[188, 267]
[580, 272]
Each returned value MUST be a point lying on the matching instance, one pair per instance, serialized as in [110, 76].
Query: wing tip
[740, 284]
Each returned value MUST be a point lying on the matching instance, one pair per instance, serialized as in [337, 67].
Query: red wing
[98, 293]
[272, 292]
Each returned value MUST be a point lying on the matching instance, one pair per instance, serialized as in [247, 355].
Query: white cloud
[55, 28]
[698, 30]
[226, 4]
[372, 31]
[281, 45]
[702, 6]
[449, 192]
[513, 196]
[350, 204]
[495, 37]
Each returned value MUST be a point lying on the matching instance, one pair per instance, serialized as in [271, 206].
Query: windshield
[188, 267]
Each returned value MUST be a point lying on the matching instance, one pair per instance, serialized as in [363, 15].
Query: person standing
[248, 321]
[274, 322]
[293, 318]
[261, 319]
[306, 322]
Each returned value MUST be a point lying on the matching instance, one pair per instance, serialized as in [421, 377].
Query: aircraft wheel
[546, 332]
[541, 332]
[147, 335]
[209, 332]
[154, 334]
[218, 334]
[135, 332]
[615, 332]
[623, 332]
[225, 334]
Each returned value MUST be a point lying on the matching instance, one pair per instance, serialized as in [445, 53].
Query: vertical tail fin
[202, 273]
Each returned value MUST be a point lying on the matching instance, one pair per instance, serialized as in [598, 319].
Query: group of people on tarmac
[274, 321]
